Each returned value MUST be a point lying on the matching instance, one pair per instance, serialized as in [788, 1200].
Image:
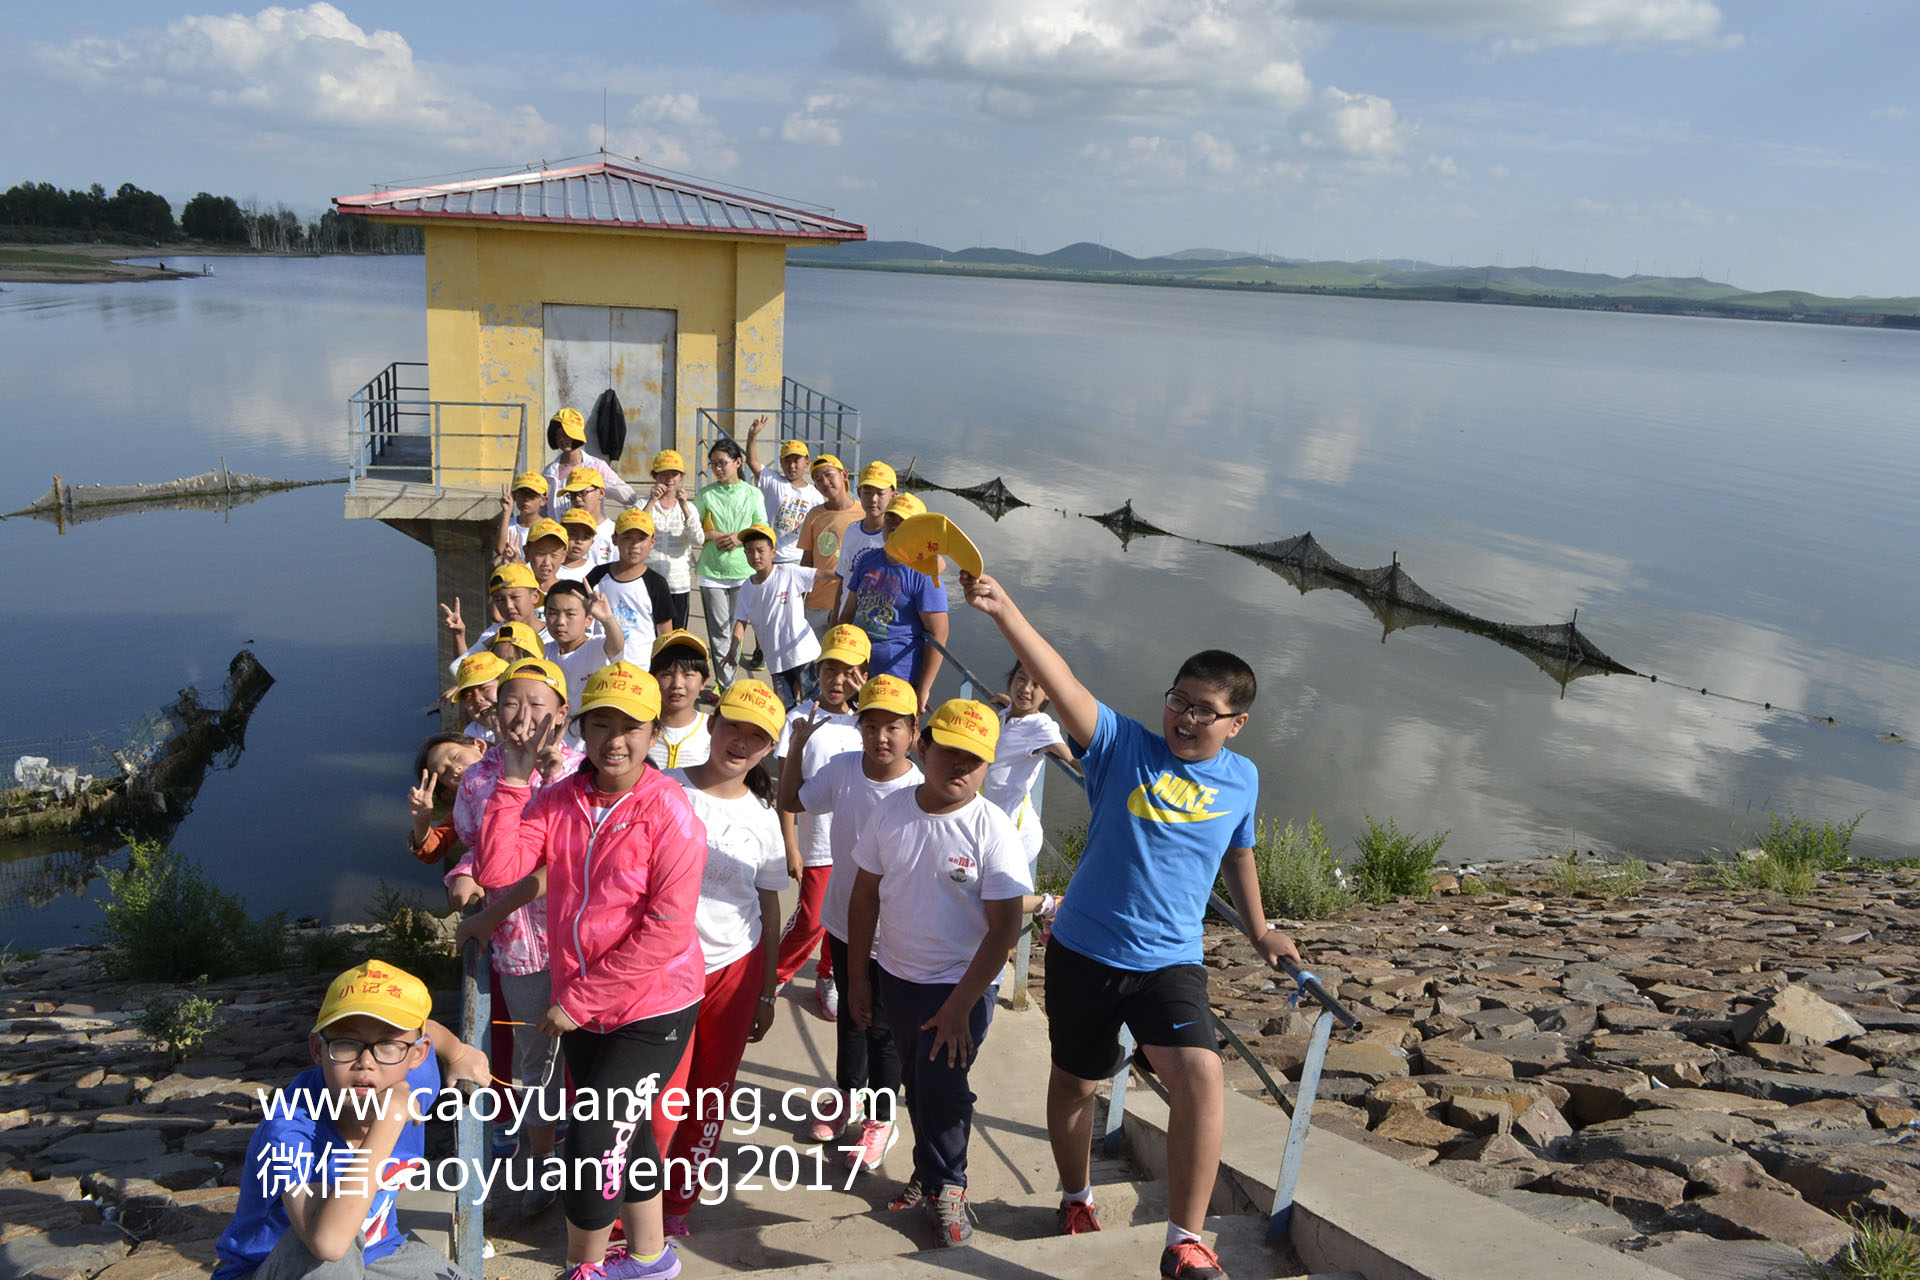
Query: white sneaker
[877, 1137]
[833, 1126]
[826, 997]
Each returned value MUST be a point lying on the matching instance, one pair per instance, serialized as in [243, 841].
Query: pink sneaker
[835, 1124]
[877, 1137]
[676, 1226]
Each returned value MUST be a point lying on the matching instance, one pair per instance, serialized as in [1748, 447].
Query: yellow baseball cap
[847, 643]
[572, 425]
[966, 725]
[531, 481]
[515, 574]
[751, 702]
[631, 519]
[581, 479]
[682, 637]
[581, 518]
[904, 505]
[921, 540]
[826, 460]
[548, 529]
[758, 531]
[879, 475]
[792, 447]
[538, 669]
[476, 669]
[379, 990]
[624, 687]
[519, 633]
[888, 693]
[666, 460]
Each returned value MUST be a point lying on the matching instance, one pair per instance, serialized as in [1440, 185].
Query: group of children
[604, 786]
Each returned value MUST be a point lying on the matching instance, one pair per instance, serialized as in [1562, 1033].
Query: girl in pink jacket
[624, 856]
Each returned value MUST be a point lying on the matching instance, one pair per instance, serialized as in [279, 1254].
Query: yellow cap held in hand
[571, 425]
[920, 542]
[631, 519]
[530, 482]
[581, 479]
[888, 693]
[667, 460]
[625, 688]
[514, 575]
[966, 726]
[376, 990]
[846, 643]
[521, 635]
[751, 702]
[878, 475]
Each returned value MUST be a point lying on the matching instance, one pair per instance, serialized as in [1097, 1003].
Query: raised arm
[754, 429]
[1079, 710]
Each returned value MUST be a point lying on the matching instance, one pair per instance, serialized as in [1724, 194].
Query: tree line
[41, 211]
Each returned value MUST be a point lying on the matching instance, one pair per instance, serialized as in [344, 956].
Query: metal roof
[604, 194]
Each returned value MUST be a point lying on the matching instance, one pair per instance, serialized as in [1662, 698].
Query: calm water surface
[1727, 504]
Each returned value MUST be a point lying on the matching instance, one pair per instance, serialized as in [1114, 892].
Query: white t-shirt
[1017, 759]
[842, 788]
[557, 472]
[577, 573]
[678, 748]
[745, 853]
[633, 606]
[838, 732]
[937, 873]
[777, 611]
[475, 729]
[856, 542]
[787, 506]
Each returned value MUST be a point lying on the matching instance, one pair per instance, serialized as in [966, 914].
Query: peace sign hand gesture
[522, 753]
[803, 729]
[451, 619]
[420, 798]
[599, 608]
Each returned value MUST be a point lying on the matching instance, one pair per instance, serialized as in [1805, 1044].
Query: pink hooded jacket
[620, 896]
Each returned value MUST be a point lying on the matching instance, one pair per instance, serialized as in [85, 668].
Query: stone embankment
[1685, 1061]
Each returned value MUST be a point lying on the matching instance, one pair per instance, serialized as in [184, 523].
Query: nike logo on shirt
[1172, 799]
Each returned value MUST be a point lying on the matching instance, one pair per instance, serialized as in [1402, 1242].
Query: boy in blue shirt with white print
[1168, 811]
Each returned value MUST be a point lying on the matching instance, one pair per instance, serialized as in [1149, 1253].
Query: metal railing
[470, 1138]
[1300, 1110]
[825, 424]
[396, 432]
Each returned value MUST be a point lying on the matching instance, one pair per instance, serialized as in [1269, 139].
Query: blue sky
[1768, 143]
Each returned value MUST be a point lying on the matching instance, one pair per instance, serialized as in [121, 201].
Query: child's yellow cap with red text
[792, 447]
[631, 519]
[531, 482]
[625, 688]
[571, 425]
[545, 529]
[477, 669]
[376, 990]
[904, 505]
[514, 575]
[751, 702]
[758, 531]
[681, 637]
[878, 475]
[538, 669]
[846, 643]
[921, 540]
[888, 693]
[582, 519]
[666, 460]
[519, 633]
[966, 725]
[580, 479]
[826, 460]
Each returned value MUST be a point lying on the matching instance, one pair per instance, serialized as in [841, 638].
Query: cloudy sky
[1771, 143]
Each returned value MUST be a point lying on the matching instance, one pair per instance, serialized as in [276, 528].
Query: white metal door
[630, 349]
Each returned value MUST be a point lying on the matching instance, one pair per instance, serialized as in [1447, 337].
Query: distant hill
[1406, 278]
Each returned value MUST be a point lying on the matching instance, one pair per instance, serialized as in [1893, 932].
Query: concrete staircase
[843, 1231]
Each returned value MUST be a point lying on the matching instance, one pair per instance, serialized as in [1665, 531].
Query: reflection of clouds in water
[1327, 453]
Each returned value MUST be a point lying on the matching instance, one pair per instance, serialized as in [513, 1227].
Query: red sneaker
[1191, 1260]
[1077, 1218]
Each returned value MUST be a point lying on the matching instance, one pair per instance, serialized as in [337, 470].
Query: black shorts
[1088, 1002]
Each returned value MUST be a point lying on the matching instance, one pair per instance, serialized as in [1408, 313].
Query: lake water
[1728, 505]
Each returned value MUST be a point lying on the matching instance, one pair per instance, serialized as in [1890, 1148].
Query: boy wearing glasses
[1168, 812]
[322, 1171]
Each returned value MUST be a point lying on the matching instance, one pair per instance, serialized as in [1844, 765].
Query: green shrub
[1629, 879]
[1299, 876]
[411, 937]
[1394, 864]
[11, 958]
[329, 952]
[1793, 854]
[1476, 883]
[180, 1020]
[166, 922]
[1567, 877]
[1879, 1251]
[1053, 873]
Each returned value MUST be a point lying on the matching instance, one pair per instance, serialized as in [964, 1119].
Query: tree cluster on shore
[39, 212]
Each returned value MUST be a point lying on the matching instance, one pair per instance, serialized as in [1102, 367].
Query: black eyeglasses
[388, 1053]
[1202, 716]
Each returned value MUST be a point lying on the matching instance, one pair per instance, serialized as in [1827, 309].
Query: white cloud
[817, 122]
[670, 130]
[1217, 154]
[1499, 171]
[1124, 59]
[1684, 212]
[1443, 165]
[1524, 26]
[1891, 113]
[303, 71]
[1363, 126]
[848, 182]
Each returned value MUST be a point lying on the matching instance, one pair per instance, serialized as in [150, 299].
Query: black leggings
[866, 1057]
[615, 1066]
[682, 608]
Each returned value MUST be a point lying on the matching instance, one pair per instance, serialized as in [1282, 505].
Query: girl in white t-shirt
[739, 897]
[1027, 736]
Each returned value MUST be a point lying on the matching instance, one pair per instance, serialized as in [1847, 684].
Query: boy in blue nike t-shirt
[324, 1166]
[1168, 812]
